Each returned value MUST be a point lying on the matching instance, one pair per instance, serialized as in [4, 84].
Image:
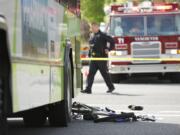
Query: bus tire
[3, 122]
[60, 113]
[1, 103]
[35, 118]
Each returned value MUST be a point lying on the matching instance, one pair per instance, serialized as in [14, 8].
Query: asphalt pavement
[160, 98]
[79, 127]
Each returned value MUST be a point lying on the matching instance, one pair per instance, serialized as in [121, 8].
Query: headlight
[172, 51]
[112, 53]
[118, 53]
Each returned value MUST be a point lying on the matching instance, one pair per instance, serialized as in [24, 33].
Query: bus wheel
[175, 77]
[60, 113]
[3, 123]
[35, 117]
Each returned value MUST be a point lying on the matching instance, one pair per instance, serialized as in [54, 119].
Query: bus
[40, 68]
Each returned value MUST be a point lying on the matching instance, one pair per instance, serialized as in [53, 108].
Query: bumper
[153, 68]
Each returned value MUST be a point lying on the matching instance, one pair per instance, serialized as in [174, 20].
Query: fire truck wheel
[115, 78]
[60, 113]
[175, 77]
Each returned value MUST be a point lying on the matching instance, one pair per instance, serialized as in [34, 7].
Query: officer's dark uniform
[99, 42]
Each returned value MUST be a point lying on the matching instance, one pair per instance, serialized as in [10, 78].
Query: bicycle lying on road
[98, 114]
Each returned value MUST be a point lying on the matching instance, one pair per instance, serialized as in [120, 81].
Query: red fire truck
[147, 40]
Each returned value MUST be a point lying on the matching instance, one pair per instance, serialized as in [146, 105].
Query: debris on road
[97, 114]
[134, 107]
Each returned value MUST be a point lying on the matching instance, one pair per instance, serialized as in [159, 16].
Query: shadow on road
[129, 95]
[140, 80]
[148, 80]
[113, 93]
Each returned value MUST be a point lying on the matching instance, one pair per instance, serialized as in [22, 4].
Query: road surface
[159, 98]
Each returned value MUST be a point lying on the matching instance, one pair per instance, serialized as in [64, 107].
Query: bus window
[35, 31]
[40, 29]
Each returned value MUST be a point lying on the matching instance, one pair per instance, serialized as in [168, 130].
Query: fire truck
[147, 41]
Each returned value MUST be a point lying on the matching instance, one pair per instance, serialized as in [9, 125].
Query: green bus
[40, 68]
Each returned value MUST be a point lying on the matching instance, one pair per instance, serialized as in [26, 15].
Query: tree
[93, 10]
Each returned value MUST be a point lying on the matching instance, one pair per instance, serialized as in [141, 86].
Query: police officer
[101, 45]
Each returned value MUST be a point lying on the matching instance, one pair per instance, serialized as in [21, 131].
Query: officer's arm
[111, 41]
[91, 41]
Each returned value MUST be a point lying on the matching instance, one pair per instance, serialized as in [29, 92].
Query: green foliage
[93, 10]
[115, 1]
[108, 1]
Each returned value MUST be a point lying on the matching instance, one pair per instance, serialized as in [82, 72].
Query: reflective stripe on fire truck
[130, 59]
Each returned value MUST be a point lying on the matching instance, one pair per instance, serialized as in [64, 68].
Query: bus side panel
[39, 22]
[57, 84]
[73, 24]
[78, 67]
[31, 84]
[37, 30]
[12, 12]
